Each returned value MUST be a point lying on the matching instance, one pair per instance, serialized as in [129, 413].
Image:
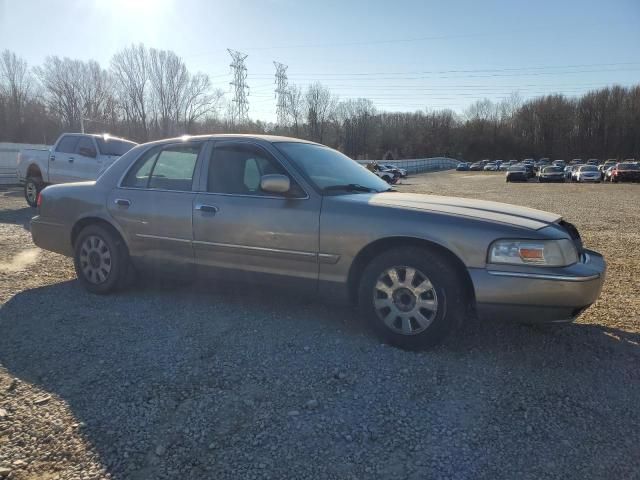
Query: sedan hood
[464, 207]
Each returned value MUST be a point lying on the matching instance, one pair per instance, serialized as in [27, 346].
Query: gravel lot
[201, 382]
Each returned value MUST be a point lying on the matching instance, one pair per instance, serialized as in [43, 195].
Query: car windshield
[329, 169]
[516, 169]
[628, 166]
[589, 168]
[114, 146]
[553, 170]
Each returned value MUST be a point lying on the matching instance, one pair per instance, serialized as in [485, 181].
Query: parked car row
[387, 171]
[545, 170]
[614, 172]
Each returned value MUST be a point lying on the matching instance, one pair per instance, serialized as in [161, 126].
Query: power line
[474, 70]
[583, 28]
[240, 105]
[281, 93]
[493, 75]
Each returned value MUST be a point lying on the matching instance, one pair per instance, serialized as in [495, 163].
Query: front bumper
[538, 295]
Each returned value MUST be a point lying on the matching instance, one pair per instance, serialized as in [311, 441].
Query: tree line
[146, 94]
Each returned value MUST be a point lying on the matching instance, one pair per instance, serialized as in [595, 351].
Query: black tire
[446, 289]
[31, 186]
[95, 277]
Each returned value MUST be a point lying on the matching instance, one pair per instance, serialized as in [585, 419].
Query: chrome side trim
[269, 252]
[329, 258]
[544, 276]
[265, 251]
[277, 197]
[159, 237]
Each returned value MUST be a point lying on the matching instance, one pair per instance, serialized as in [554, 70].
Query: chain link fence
[418, 165]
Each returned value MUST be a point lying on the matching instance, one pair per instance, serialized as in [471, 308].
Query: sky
[404, 55]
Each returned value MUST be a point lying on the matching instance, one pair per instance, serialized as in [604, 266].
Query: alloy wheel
[95, 259]
[405, 300]
[32, 192]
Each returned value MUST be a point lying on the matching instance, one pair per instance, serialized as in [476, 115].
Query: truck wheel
[32, 187]
[411, 297]
[101, 260]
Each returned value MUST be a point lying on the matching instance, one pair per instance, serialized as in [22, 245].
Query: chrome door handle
[207, 208]
[52, 158]
[71, 159]
[123, 202]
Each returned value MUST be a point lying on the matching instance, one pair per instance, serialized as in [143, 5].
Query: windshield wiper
[350, 187]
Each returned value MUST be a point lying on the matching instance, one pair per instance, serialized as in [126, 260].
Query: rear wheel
[32, 187]
[411, 297]
[101, 260]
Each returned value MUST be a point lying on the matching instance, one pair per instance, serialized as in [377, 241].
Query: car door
[61, 168]
[85, 163]
[153, 205]
[244, 233]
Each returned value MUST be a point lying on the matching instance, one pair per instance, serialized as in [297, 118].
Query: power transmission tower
[240, 108]
[281, 93]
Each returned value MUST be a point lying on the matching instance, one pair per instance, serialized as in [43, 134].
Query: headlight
[546, 253]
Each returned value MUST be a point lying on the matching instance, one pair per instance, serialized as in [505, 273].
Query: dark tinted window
[67, 144]
[169, 168]
[236, 168]
[628, 166]
[84, 146]
[112, 146]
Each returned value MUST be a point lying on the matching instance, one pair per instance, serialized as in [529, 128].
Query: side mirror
[88, 152]
[275, 183]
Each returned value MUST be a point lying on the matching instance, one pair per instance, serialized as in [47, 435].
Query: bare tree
[60, 79]
[169, 80]
[199, 100]
[356, 117]
[131, 76]
[16, 86]
[295, 105]
[95, 85]
[321, 106]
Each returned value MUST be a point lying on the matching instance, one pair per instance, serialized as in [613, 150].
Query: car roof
[233, 136]
[105, 136]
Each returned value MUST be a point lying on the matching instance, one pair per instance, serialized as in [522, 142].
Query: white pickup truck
[75, 157]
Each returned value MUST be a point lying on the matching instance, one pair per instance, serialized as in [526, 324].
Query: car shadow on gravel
[20, 216]
[162, 376]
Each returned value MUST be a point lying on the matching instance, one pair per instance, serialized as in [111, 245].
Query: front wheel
[101, 260]
[32, 188]
[411, 297]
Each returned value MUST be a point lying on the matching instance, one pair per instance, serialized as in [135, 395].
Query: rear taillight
[39, 199]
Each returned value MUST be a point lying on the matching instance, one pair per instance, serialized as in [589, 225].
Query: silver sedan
[261, 209]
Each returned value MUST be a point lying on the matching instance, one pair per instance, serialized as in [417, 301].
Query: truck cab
[75, 157]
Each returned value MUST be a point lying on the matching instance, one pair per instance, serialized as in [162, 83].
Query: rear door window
[85, 146]
[169, 168]
[67, 144]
